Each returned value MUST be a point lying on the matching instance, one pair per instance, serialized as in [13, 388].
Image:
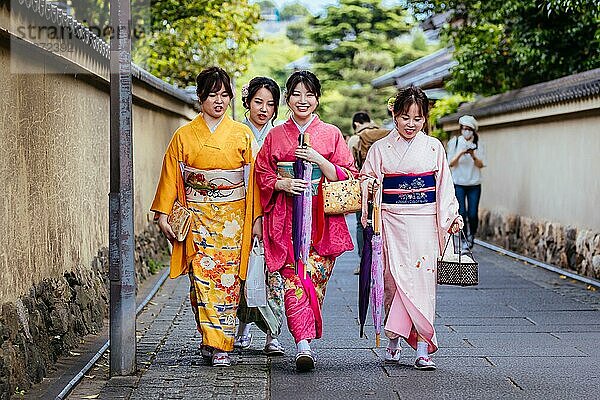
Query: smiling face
[410, 122]
[262, 107]
[216, 103]
[302, 102]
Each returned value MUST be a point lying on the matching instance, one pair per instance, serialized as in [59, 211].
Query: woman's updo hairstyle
[210, 80]
[407, 97]
[307, 78]
[257, 83]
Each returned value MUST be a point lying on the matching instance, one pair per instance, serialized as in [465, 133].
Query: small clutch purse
[180, 220]
[341, 197]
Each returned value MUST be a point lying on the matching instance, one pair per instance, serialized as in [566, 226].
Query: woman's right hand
[291, 185]
[164, 226]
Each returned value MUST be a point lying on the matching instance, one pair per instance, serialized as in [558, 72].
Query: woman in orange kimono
[418, 209]
[331, 157]
[207, 168]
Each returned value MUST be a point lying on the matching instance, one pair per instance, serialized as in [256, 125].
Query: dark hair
[307, 78]
[258, 83]
[360, 117]
[407, 97]
[210, 80]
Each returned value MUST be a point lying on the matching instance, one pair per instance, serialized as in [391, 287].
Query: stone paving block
[522, 333]
[485, 321]
[504, 329]
[565, 317]
[513, 351]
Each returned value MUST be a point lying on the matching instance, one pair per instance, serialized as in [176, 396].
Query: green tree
[357, 41]
[342, 99]
[293, 10]
[502, 45]
[187, 37]
[441, 108]
[269, 58]
[351, 27]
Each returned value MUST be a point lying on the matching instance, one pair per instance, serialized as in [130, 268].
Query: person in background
[261, 100]
[330, 236]
[367, 133]
[205, 168]
[466, 154]
[407, 174]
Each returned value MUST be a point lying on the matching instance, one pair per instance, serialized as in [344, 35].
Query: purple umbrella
[364, 278]
[377, 275]
[302, 212]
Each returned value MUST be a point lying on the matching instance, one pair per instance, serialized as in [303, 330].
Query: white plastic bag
[255, 288]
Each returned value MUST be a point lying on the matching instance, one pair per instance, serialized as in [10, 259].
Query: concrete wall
[540, 191]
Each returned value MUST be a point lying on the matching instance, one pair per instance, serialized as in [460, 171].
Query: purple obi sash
[408, 189]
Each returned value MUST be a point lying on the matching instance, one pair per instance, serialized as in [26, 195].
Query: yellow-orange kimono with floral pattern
[215, 252]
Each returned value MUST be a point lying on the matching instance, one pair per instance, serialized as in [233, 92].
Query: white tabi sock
[393, 344]
[303, 345]
[422, 349]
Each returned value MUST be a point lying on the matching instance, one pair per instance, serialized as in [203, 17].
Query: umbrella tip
[377, 340]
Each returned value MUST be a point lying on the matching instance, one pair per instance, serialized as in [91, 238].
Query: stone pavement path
[522, 333]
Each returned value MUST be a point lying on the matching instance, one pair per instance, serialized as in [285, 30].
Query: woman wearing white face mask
[466, 155]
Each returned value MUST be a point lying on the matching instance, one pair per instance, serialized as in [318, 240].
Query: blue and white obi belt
[408, 189]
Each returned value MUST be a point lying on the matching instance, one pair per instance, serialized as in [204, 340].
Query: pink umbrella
[377, 288]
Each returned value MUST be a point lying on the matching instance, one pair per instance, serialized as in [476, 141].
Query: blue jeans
[468, 205]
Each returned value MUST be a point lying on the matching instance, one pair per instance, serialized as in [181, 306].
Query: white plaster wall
[546, 169]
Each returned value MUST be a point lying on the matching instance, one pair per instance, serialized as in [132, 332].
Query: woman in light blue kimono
[261, 99]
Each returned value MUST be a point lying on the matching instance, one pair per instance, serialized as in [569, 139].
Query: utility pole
[121, 234]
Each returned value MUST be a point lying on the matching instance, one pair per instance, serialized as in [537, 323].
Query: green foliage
[266, 5]
[269, 59]
[502, 45]
[293, 10]
[351, 27]
[341, 99]
[154, 266]
[446, 106]
[189, 37]
[296, 32]
[357, 41]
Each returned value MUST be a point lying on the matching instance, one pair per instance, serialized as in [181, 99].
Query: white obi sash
[213, 186]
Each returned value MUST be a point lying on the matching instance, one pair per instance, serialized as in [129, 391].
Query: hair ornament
[245, 90]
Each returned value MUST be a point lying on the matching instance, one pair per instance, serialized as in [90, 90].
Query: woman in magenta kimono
[409, 175]
[331, 157]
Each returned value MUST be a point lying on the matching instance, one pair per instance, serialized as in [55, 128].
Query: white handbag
[255, 288]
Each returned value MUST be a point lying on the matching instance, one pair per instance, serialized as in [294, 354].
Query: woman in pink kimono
[408, 174]
[331, 157]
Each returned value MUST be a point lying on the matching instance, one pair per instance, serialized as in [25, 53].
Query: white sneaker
[392, 355]
[425, 364]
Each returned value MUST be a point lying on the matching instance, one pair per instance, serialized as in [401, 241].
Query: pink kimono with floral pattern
[302, 299]
[413, 233]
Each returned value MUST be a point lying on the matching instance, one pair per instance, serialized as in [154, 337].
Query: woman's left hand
[257, 230]
[456, 226]
[309, 154]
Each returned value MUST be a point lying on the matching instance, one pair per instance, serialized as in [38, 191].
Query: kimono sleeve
[265, 172]
[446, 198]
[342, 157]
[253, 209]
[166, 191]
[371, 171]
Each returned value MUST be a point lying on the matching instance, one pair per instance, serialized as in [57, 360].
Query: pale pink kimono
[413, 234]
